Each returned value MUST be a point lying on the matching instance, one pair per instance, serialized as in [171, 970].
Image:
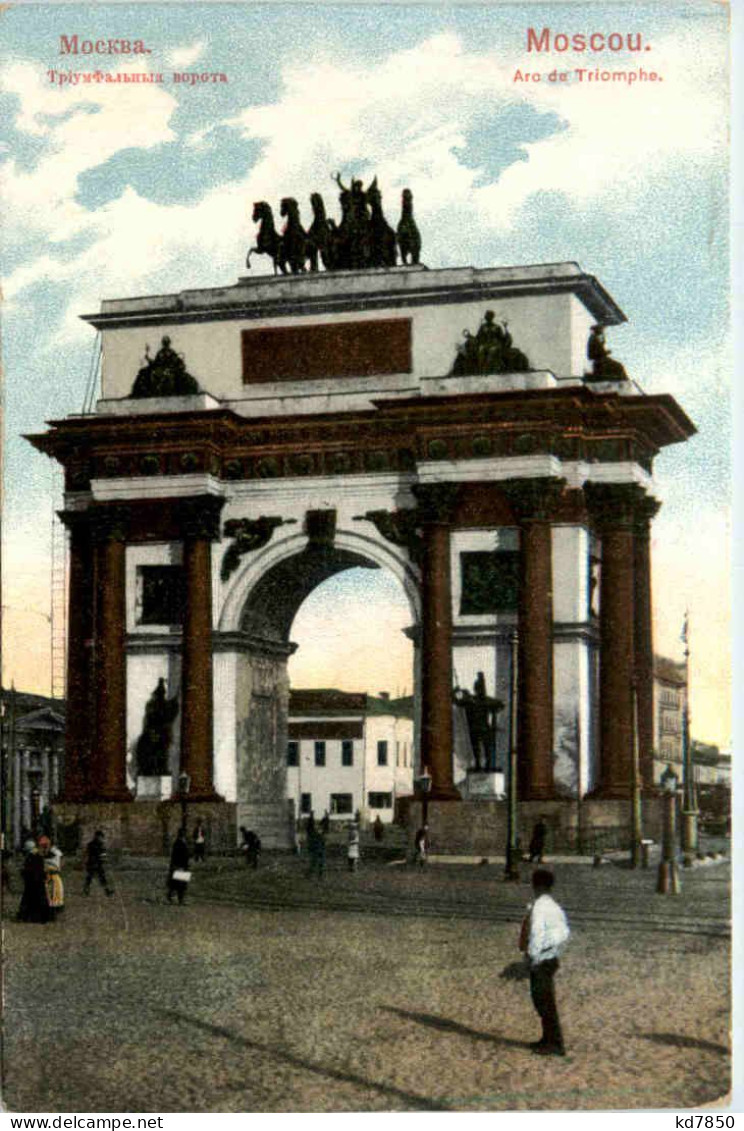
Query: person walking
[544, 933]
[200, 842]
[378, 829]
[352, 852]
[251, 847]
[537, 841]
[178, 873]
[316, 850]
[95, 864]
[421, 844]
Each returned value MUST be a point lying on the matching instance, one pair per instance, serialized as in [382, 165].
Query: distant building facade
[33, 739]
[349, 752]
[711, 767]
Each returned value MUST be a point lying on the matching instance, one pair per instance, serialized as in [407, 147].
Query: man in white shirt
[546, 933]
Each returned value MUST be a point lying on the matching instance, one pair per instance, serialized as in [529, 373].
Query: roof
[669, 670]
[24, 702]
[326, 701]
[329, 701]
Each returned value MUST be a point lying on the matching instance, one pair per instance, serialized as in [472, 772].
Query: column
[80, 601]
[643, 638]
[436, 504]
[533, 502]
[613, 509]
[108, 760]
[200, 520]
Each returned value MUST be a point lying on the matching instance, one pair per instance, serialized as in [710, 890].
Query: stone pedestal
[154, 788]
[484, 785]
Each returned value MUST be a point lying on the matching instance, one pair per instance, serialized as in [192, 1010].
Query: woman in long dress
[34, 906]
[55, 889]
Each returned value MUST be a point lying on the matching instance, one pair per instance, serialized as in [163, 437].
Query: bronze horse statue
[295, 245]
[384, 252]
[268, 240]
[321, 235]
[409, 237]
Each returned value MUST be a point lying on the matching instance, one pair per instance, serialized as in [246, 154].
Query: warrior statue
[604, 365]
[480, 714]
[154, 742]
[164, 375]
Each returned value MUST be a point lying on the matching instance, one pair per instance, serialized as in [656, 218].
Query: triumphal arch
[466, 429]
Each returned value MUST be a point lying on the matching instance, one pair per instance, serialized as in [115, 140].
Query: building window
[293, 753]
[490, 582]
[320, 753]
[380, 800]
[342, 802]
[347, 753]
[382, 753]
[306, 803]
[160, 594]
[397, 754]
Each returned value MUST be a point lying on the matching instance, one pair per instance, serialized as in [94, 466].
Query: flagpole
[689, 795]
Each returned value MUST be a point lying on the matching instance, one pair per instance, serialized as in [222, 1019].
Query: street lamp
[511, 869]
[636, 817]
[423, 785]
[668, 881]
[184, 785]
[689, 798]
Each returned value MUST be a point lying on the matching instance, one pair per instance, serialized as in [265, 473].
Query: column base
[119, 793]
[538, 793]
[195, 797]
[445, 793]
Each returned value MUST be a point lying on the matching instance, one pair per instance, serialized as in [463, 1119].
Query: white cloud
[89, 124]
[187, 56]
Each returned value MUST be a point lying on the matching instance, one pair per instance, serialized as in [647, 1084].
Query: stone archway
[269, 594]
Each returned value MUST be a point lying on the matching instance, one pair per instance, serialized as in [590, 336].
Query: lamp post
[511, 869]
[636, 819]
[668, 881]
[689, 793]
[184, 785]
[424, 787]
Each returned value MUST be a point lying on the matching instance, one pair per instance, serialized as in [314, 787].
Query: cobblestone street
[271, 992]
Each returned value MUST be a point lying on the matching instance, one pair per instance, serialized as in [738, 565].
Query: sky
[113, 189]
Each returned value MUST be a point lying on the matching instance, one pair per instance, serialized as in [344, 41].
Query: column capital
[646, 510]
[109, 523]
[436, 502]
[534, 500]
[200, 517]
[614, 505]
[75, 520]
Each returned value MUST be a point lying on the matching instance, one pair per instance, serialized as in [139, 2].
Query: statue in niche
[154, 742]
[491, 350]
[604, 365]
[480, 714]
[164, 375]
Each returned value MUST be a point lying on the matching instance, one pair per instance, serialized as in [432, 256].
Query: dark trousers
[543, 999]
[96, 872]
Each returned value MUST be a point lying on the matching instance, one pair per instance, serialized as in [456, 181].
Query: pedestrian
[34, 906]
[537, 841]
[178, 873]
[421, 843]
[544, 933]
[352, 852]
[316, 849]
[378, 829]
[252, 848]
[200, 842]
[95, 864]
[55, 889]
[325, 824]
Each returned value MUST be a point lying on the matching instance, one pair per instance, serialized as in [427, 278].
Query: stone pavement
[379, 991]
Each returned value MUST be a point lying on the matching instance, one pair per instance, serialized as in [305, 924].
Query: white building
[349, 752]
